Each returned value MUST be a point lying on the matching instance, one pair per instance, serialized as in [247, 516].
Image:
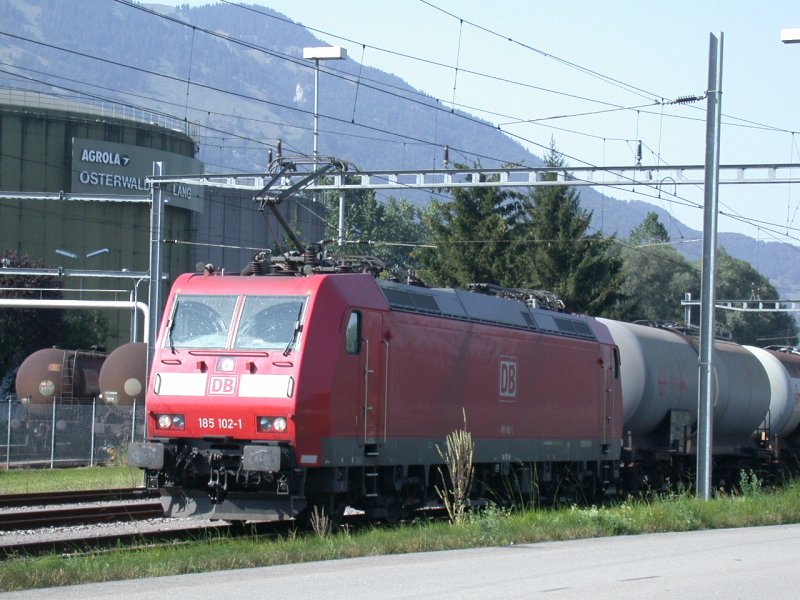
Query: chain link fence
[65, 433]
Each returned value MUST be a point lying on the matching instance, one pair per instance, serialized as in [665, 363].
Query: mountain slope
[242, 99]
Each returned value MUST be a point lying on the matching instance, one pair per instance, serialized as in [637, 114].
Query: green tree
[738, 280]
[656, 276]
[581, 268]
[84, 329]
[475, 236]
[388, 230]
[649, 231]
[25, 330]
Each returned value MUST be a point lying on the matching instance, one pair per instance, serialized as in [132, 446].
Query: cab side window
[353, 333]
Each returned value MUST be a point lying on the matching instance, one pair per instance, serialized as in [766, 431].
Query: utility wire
[261, 100]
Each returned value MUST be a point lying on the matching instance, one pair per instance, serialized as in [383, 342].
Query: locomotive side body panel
[410, 378]
[330, 387]
[526, 396]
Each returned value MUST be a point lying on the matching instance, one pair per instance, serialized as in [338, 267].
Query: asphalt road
[759, 562]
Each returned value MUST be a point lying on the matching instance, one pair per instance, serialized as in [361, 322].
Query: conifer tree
[475, 237]
[579, 267]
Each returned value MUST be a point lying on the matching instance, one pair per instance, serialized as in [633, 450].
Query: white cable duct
[118, 304]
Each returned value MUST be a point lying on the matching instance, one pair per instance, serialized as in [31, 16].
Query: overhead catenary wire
[388, 132]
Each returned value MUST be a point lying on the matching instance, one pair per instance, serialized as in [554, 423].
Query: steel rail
[73, 497]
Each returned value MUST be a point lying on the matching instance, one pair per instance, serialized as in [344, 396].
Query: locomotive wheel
[396, 512]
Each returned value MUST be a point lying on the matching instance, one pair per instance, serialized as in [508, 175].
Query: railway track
[93, 542]
[98, 520]
[33, 523]
[76, 508]
[82, 515]
[63, 523]
[73, 497]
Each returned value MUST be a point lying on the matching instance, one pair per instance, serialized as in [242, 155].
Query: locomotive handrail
[228, 352]
[385, 388]
[367, 371]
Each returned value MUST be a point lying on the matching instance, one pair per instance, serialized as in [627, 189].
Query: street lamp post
[82, 260]
[317, 54]
[791, 35]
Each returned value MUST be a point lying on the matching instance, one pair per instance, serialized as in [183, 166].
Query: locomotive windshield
[269, 322]
[200, 322]
[266, 322]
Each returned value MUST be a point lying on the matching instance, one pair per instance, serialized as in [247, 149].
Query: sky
[596, 77]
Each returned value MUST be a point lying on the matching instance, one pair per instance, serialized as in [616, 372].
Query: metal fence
[66, 433]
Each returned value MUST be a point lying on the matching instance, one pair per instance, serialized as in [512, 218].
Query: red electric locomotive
[271, 395]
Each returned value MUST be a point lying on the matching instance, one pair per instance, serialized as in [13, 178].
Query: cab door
[374, 382]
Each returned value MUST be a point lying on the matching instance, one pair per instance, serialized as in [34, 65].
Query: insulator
[309, 256]
[252, 268]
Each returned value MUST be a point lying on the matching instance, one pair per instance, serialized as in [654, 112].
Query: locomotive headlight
[170, 422]
[277, 424]
[226, 364]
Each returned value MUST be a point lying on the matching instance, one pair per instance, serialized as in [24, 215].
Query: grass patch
[490, 526]
[30, 481]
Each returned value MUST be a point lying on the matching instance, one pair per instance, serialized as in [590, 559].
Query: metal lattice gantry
[753, 305]
[658, 177]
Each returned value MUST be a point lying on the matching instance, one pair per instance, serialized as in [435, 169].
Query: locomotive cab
[220, 404]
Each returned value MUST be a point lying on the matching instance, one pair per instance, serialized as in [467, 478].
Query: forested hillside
[240, 100]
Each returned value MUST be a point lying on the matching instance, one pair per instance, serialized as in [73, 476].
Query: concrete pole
[707, 389]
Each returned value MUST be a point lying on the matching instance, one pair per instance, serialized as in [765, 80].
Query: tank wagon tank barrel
[53, 373]
[122, 377]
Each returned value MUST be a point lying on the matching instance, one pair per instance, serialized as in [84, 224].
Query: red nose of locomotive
[243, 395]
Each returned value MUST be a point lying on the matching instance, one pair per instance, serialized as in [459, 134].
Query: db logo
[508, 378]
[221, 386]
